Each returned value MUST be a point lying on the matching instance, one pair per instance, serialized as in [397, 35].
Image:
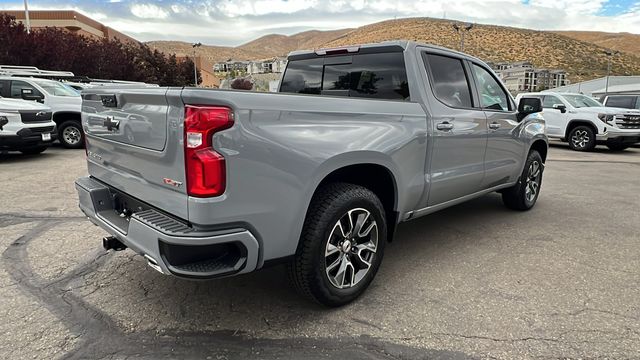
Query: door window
[627, 102]
[549, 101]
[17, 86]
[450, 83]
[492, 95]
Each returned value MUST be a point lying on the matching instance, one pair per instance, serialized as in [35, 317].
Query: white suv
[584, 122]
[25, 126]
[65, 103]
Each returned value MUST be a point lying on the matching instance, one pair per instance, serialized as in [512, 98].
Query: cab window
[492, 95]
[549, 101]
[17, 86]
[450, 83]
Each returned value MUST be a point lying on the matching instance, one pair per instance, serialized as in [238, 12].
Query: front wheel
[524, 194]
[70, 134]
[341, 246]
[582, 138]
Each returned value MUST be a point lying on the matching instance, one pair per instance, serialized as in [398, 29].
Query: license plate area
[46, 137]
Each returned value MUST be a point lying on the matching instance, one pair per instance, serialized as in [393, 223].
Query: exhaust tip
[153, 263]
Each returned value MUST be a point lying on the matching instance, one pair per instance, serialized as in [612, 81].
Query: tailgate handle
[109, 101]
[111, 124]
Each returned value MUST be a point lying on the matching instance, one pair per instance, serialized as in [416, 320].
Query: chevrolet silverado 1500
[206, 183]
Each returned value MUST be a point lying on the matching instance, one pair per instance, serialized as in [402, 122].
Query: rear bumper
[171, 246]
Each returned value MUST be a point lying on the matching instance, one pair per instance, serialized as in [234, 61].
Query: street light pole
[26, 16]
[609, 54]
[195, 68]
[462, 30]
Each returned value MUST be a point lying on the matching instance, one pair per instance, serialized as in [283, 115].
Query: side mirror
[527, 106]
[561, 107]
[27, 94]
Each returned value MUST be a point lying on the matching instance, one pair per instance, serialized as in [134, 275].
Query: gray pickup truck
[206, 183]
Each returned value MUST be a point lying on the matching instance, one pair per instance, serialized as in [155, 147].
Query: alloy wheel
[532, 185]
[580, 138]
[351, 248]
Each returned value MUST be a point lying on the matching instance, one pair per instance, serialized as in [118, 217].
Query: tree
[57, 49]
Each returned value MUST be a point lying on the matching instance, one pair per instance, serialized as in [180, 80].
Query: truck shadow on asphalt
[100, 336]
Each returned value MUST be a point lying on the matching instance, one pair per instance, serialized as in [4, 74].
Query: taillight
[204, 167]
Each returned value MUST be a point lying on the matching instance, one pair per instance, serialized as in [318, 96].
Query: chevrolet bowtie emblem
[111, 124]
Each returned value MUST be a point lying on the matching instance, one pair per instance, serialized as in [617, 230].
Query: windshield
[580, 101]
[56, 89]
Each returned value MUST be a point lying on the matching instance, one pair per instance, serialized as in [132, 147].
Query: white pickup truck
[64, 102]
[584, 122]
[25, 126]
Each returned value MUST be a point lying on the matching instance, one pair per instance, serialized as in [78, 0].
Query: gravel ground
[472, 281]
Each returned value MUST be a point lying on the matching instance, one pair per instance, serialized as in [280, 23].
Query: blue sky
[233, 22]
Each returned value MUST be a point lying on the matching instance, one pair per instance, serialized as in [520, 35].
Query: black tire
[582, 138]
[518, 196]
[335, 203]
[34, 150]
[617, 145]
[71, 135]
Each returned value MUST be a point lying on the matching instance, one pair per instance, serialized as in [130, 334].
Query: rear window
[628, 102]
[378, 76]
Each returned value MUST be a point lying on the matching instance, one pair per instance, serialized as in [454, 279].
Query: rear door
[135, 139]
[459, 130]
[555, 119]
[504, 147]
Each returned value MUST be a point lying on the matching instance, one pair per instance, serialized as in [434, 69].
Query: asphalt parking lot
[473, 281]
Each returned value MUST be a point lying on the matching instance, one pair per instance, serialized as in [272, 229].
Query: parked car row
[63, 103]
[585, 123]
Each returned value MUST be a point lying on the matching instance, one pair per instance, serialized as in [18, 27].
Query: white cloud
[149, 11]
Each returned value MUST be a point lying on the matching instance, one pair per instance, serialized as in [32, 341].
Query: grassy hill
[626, 42]
[581, 55]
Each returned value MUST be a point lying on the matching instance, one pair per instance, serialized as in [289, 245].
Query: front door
[459, 131]
[503, 157]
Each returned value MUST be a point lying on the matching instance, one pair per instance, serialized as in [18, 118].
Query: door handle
[494, 126]
[444, 126]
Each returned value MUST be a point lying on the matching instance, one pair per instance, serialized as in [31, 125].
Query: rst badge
[172, 182]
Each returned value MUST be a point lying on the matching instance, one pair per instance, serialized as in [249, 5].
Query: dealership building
[71, 21]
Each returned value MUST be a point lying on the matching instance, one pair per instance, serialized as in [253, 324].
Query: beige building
[71, 21]
[521, 76]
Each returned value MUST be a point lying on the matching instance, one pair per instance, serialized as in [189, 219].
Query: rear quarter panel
[282, 146]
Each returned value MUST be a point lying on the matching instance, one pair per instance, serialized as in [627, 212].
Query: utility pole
[462, 30]
[195, 68]
[26, 16]
[609, 54]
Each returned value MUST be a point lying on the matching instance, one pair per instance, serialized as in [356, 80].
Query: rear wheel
[341, 246]
[582, 138]
[33, 150]
[524, 194]
[70, 134]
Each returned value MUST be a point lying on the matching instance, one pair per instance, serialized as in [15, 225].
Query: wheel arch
[542, 147]
[62, 116]
[579, 122]
[378, 178]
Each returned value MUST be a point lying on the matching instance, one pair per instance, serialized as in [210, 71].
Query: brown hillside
[579, 53]
[496, 43]
[263, 47]
[626, 42]
[277, 45]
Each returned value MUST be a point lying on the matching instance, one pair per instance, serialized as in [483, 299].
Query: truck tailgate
[134, 144]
